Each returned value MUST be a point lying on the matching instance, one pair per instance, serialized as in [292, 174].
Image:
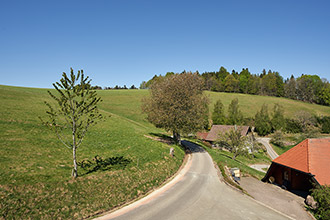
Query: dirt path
[260, 167]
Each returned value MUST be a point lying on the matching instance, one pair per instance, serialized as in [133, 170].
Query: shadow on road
[302, 194]
[192, 147]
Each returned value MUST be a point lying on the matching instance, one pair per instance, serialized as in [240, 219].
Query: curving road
[199, 194]
[270, 150]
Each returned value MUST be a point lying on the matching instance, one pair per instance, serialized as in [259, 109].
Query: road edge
[169, 183]
[222, 179]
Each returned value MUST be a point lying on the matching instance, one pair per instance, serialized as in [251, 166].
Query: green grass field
[250, 104]
[35, 168]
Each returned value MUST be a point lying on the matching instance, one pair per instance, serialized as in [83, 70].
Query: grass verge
[280, 150]
[223, 158]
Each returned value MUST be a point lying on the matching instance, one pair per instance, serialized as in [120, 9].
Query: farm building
[302, 166]
[202, 135]
[216, 130]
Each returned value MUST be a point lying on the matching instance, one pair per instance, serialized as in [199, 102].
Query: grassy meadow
[35, 169]
[250, 104]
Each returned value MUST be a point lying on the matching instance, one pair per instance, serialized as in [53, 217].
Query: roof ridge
[308, 159]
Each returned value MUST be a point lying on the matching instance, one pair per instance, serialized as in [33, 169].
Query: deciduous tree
[177, 104]
[324, 97]
[222, 74]
[244, 78]
[269, 85]
[75, 111]
[230, 84]
[308, 88]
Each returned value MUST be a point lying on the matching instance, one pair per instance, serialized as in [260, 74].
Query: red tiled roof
[310, 156]
[202, 135]
[218, 129]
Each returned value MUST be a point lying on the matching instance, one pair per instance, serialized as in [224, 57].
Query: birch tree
[75, 110]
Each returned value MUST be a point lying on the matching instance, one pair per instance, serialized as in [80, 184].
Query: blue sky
[126, 42]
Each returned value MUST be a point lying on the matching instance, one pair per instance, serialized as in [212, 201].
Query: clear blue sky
[126, 42]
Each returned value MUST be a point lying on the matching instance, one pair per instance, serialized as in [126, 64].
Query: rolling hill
[35, 168]
[250, 104]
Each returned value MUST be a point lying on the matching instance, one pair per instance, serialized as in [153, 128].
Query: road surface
[270, 150]
[199, 195]
[260, 167]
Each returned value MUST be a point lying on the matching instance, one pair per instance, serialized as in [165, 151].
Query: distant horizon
[137, 86]
[118, 43]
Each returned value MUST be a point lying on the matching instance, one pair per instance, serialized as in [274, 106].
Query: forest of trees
[115, 87]
[307, 88]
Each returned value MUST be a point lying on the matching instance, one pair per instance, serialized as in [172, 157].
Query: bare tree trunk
[75, 170]
[74, 146]
[235, 154]
[176, 137]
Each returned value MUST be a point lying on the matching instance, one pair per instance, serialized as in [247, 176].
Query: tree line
[115, 87]
[307, 88]
[302, 122]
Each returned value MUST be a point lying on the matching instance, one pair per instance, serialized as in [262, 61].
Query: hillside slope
[250, 104]
[35, 168]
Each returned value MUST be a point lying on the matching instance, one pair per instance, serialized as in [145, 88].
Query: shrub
[262, 121]
[306, 120]
[325, 124]
[218, 115]
[277, 138]
[292, 126]
[321, 195]
[278, 120]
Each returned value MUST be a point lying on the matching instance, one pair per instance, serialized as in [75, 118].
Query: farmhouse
[302, 166]
[202, 135]
[217, 130]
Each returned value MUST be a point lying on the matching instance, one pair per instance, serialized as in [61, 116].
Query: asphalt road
[270, 150]
[200, 195]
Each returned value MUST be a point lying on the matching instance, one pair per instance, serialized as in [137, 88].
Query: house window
[286, 175]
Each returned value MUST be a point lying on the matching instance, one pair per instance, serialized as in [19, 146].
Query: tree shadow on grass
[100, 164]
[166, 139]
[162, 138]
